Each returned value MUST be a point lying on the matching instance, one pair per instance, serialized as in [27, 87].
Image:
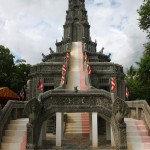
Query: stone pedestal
[94, 130]
[108, 131]
[112, 139]
[43, 133]
[90, 121]
[58, 128]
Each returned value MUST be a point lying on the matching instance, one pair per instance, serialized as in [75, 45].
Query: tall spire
[76, 26]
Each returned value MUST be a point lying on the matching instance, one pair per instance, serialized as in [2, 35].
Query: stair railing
[87, 76]
[140, 110]
[67, 68]
[61, 86]
[12, 110]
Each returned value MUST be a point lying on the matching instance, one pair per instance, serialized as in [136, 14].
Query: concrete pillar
[94, 130]
[44, 129]
[90, 121]
[137, 113]
[108, 131]
[62, 130]
[58, 128]
[43, 133]
[112, 139]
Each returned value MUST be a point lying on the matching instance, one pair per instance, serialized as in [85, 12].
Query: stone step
[19, 121]
[76, 121]
[137, 135]
[135, 128]
[16, 126]
[70, 135]
[138, 146]
[79, 126]
[132, 123]
[15, 136]
[76, 116]
[75, 141]
[142, 139]
[10, 146]
[12, 139]
[76, 130]
[141, 133]
[77, 113]
[14, 132]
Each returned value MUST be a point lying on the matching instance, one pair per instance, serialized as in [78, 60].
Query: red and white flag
[127, 92]
[87, 63]
[22, 93]
[63, 73]
[113, 84]
[40, 85]
[67, 56]
[85, 57]
[63, 68]
[88, 68]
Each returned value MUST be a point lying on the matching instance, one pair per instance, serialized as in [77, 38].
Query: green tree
[144, 76]
[144, 64]
[132, 83]
[6, 66]
[20, 75]
[131, 72]
[144, 14]
[12, 75]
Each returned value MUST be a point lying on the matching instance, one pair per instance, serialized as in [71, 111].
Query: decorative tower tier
[76, 28]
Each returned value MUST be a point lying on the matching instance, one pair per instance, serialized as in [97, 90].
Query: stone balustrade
[140, 110]
[12, 110]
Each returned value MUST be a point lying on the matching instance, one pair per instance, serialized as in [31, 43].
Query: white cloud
[30, 27]
[115, 26]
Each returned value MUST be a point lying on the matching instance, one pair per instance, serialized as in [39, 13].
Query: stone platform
[75, 143]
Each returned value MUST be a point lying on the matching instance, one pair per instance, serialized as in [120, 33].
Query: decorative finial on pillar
[76, 89]
[51, 51]
[101, 51]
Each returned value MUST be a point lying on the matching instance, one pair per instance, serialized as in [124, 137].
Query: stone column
[108, 131]
[94, 130]
[42, 134]
[58, 128]
[44, 129]
[90, 121]
[112, 139]
[62, 130]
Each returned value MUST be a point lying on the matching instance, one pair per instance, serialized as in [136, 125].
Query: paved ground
[75, 143]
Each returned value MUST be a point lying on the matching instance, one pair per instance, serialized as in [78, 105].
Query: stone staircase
[76, 74]
[137, 135]
[77, 125]
[15, 135]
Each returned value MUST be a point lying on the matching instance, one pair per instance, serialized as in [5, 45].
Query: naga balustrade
[140, 110]
[11, 111]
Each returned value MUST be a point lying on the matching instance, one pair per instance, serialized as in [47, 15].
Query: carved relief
[120, 110]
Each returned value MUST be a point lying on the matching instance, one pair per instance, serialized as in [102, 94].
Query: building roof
[8, 94]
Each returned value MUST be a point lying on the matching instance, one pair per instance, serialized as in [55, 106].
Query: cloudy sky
[29, 27]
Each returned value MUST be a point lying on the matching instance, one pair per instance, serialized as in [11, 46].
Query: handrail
[142, 111]
[87, 77]
[10, 111]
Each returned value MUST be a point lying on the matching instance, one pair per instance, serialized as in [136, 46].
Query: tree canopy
[144, 16]
[139, 86]
[12, 74]
[7, 66]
